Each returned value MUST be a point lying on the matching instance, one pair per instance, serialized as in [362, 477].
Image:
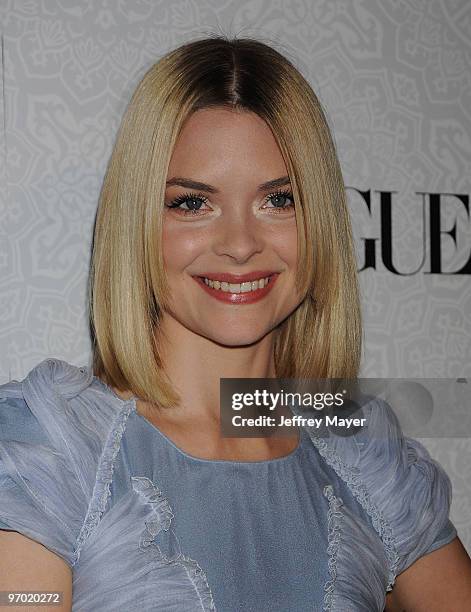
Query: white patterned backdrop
[395, 78]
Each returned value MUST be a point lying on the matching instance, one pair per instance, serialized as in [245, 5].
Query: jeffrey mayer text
[317, 422]
[297, 420]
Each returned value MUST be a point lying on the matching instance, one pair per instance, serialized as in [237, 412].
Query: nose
[238, 236]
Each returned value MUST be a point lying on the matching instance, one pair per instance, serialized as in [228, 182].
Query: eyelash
[181, 199]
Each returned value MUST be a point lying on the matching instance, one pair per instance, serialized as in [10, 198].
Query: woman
[222, 249]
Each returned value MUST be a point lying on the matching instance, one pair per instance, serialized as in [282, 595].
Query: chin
[235, 338]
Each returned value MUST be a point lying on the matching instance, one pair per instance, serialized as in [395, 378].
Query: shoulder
[405, 492]
[60, 431]
[54, 397]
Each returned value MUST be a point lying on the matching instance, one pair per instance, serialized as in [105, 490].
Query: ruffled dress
[144, 526]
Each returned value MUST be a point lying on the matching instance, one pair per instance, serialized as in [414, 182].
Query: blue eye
[282, 201]
[194, 200]
[281, 196]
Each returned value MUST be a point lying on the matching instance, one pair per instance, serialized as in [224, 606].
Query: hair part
[128, 284]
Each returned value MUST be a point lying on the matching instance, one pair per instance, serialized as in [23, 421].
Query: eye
[193, 201]
[280, 200]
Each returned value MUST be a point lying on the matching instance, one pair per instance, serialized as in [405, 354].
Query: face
[232, 227]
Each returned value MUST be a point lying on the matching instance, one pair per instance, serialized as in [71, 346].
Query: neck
[195, 366]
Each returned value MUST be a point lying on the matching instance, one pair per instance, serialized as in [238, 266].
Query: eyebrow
[191, 184]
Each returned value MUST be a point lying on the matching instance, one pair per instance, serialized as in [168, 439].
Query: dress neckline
[193, 458]
[284, 458]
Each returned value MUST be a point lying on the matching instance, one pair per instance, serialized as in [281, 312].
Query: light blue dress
[147, 527]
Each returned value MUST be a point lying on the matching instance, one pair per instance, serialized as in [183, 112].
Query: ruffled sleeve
[405, 492]
[49, 449]
[411, 490]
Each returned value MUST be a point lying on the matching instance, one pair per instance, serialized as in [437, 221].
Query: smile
[237, 293]
[237, 287]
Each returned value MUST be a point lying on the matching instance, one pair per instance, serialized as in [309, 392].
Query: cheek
[180, 246]
[285, 243]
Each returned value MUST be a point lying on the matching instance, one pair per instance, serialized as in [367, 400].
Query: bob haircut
[127, 282]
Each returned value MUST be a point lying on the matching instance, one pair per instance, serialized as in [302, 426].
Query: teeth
[237, 287]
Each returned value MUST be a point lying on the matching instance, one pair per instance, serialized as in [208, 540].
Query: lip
[225, 277]
[248, 297]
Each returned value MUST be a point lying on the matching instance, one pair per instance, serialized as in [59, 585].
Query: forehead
[217, 139]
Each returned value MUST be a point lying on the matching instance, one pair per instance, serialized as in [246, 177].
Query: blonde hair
[128, 284]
